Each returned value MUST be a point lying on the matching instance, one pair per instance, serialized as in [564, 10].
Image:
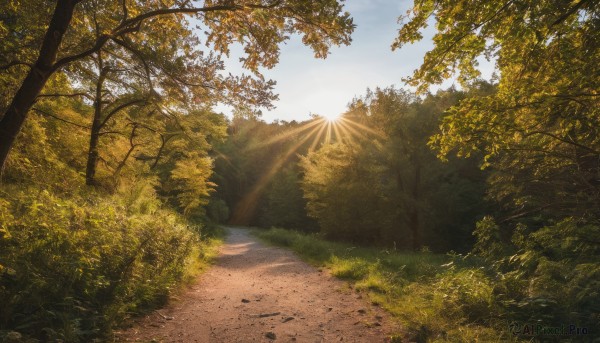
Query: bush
[551, 277]
[466, 294]
[562, 268]
[70, 268]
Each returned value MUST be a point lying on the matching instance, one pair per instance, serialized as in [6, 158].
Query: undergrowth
[73, 267]
[436, 298]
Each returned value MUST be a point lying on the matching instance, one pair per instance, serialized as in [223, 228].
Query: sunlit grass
[435, 297]
[204, 253]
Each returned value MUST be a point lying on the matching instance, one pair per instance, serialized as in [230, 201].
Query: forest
[117, 171]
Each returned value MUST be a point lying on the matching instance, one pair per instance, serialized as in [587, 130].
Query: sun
[331, 117]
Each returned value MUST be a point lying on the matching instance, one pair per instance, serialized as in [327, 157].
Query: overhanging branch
[48, 114]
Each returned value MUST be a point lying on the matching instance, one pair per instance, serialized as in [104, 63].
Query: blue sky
[307, 85]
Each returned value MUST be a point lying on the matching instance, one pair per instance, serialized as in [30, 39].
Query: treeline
[367, 177]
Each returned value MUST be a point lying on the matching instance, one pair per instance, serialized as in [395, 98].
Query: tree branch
[164, 142]
[119, 108]
[140, 56]
[102, 39]
[133, 24]
[570, 12]
[72, 95]
[562, 140]
[474, 28]
[125, 11]
[140, 18]
[59, 118]
[15, 63]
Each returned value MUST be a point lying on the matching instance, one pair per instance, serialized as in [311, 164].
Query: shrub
[73, 267]
[466, 293]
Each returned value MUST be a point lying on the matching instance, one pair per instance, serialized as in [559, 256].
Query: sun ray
[336, 130]
[348, 136]
[328, 135]
[317, 138]
[352, 130]
[287, 134]
[363, 127]
[245, 208]
[340, 130]
[224, 157]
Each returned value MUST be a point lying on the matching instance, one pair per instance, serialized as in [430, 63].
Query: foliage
[73, 267]
[342, 186]
[285, 205]
[464, 294]
[77, 260]
[217, 211]
[539, 131]
[552, 277]
[386, 185]
[40, 159]
[78, 31]
[191, 178]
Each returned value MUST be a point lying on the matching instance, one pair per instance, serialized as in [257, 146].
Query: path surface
[258, 293]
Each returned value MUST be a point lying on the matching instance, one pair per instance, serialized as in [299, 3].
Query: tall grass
[436, 298]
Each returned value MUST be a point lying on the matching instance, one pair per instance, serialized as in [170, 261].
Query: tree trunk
[414, 220]
[92, 162]
[16, 113]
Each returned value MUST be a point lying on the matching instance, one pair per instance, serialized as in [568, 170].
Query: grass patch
[436, 297]
[204, 253]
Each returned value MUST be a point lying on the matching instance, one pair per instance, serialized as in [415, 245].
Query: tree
[540, 131]
[285, 206]
[157, 79]
[539, 135]
[259, 26]
[392, 113]
[344, 186]
[420, 186]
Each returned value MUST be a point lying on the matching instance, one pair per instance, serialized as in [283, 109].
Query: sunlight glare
[331, 117]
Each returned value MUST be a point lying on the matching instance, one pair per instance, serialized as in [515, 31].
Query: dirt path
[257, 293]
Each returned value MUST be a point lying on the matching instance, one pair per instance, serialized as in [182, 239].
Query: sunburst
[322, 129]
[331, 117]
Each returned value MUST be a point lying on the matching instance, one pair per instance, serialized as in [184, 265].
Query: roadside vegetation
[73, 268]
[435, 297]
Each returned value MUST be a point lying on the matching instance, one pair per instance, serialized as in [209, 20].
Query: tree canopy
[539, 130]
[78, 29]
